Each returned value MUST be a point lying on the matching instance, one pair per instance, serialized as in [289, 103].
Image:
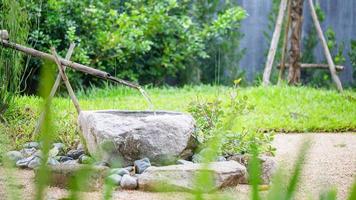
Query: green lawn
[280, 109]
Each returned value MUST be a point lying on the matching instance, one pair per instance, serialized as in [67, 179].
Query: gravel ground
[331, 163]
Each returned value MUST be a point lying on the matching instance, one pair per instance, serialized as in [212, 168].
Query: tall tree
[295, 41]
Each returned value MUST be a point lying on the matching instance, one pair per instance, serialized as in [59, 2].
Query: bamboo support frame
[325, 47]
[315, 66]
[54, 89]
[65, 80]
[274, 43]
[285, 44]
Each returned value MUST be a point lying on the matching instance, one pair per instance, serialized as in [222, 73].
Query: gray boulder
[131, 135]
[61, 176]
[182, 177]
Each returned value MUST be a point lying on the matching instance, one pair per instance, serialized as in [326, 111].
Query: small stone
[220, 159]
[53, 152]
[128, 182]
[80, 146]
[240, 158]
[34, 163]
[70, 162]
[59, 146]
[130, 168]
[197, 158]
[38, 153]
[119, 171]
[14, 156]
[114, 179]
[84, 159]
[102, 164]
[27, 152]
[75, 154]
[23, 163]
[30, 145]
[184, 162]
[142, 165]
[52, 161]
[64, 158]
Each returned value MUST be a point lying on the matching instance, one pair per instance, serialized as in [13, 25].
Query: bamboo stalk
[285, 44]
[65, 80]
[325, 47]
[274, 43]
[73, 65]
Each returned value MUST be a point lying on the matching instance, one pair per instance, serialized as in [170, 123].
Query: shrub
[218, 117]
[140, 40]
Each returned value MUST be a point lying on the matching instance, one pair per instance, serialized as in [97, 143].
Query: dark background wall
[340, 15]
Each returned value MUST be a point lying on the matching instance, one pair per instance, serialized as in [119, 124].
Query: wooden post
[274, 43]
[325, 47]
[285, 44]
[54, 89]
[66, 82]
[295, 41]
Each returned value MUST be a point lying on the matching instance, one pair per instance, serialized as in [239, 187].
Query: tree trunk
[295, 45]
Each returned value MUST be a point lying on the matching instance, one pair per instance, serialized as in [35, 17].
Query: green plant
[214, 115]
[14, 20]
[352, 55]
[222, 65]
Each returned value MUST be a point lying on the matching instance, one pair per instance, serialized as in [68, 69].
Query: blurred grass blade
[353, 191]
[46, 133]
[329, 195]
[255, 173]
[295, 178]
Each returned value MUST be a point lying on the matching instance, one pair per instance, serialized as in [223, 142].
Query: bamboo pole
[274, 43]
[315, 66]
[65, 80]
[54, 89]
[76, 66]
[325, 47]
[285, 44]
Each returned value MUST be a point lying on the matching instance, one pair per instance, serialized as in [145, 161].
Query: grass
[280, 109]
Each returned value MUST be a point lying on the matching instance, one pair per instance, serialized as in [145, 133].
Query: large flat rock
[131, 135]
[183, 177]
[82, 177]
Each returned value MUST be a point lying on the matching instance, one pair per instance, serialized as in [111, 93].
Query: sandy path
[331, 163]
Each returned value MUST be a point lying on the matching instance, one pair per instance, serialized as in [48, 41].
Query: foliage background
[151, 42]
